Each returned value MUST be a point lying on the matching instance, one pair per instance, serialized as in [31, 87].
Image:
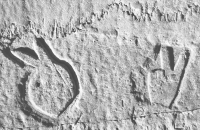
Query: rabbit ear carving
[27, 55]
[25, 49]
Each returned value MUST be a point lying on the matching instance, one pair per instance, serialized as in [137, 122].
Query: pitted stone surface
[100, 65]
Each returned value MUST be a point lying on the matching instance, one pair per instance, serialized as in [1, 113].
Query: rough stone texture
[100, 64]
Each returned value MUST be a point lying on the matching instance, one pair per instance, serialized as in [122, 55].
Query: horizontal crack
[111, 120]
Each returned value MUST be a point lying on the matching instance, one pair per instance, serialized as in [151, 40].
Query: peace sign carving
[51, 87]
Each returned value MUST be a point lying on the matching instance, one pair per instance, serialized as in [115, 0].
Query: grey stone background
[99, 64]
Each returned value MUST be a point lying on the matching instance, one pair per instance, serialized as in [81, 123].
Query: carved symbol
[164, 81]
[51, 83]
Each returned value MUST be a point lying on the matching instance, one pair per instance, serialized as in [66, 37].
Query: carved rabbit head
[53, 85]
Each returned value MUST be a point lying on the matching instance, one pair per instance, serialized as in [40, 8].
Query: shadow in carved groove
[157, 50]
[7, 53]
[171, 57]
[28, 52]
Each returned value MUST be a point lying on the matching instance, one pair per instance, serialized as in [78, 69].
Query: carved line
[187, 57]
[8, 54]
[148, 87]
[41, 42]
[28, 52]
[171, 57]
[28, 109]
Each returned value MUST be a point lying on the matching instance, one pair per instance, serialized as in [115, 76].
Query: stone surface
[92, 64]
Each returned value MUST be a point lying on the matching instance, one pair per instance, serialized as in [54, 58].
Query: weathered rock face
[100, 65]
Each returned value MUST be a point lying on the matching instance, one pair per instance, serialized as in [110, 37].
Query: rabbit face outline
[46, 56]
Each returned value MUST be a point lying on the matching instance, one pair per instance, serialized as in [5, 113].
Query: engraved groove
[157, 50]
[68, 68]
[7, 53]
[187, 57]
[27, 51]
[171, 57]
